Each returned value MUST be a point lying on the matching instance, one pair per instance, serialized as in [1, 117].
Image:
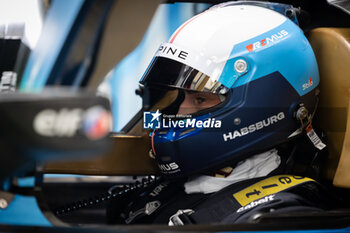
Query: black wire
[113, 192]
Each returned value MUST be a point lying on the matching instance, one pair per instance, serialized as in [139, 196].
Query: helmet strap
[305, 119]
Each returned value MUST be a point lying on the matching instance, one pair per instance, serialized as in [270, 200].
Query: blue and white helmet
[259, 64]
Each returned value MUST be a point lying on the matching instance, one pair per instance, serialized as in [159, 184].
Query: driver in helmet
[233, 94]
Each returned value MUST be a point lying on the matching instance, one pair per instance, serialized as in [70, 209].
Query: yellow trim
[267, 187]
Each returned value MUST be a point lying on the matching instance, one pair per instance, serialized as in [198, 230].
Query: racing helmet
[257, 70]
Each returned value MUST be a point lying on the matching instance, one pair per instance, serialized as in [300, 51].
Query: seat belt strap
[261, 189]
[268, 186]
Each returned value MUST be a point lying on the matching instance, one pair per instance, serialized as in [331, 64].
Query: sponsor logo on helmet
[152, 120]
[308, 84]
[254, 127]
[256, 203]
[268, 41]
[172, 51]
[169, 167]
[95, 122]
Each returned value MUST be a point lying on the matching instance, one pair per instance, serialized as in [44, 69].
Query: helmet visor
[170, 73]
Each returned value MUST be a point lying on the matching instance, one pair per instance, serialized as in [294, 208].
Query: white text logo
[169, 167]
[95, 122]
[254, 127]
[266, 42]
[308, 84]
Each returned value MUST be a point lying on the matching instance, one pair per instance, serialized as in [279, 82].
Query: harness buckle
[176, 220]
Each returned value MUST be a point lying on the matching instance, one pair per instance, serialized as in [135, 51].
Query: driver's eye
[199, 100]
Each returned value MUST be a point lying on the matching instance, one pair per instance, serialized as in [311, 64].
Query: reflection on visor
[170, 73]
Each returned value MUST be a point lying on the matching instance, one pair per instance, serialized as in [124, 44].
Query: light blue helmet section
[284, 49]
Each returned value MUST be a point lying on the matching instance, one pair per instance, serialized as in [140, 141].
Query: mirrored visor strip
[170, 73]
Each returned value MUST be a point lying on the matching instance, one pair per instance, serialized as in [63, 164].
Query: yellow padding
[267, 187]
